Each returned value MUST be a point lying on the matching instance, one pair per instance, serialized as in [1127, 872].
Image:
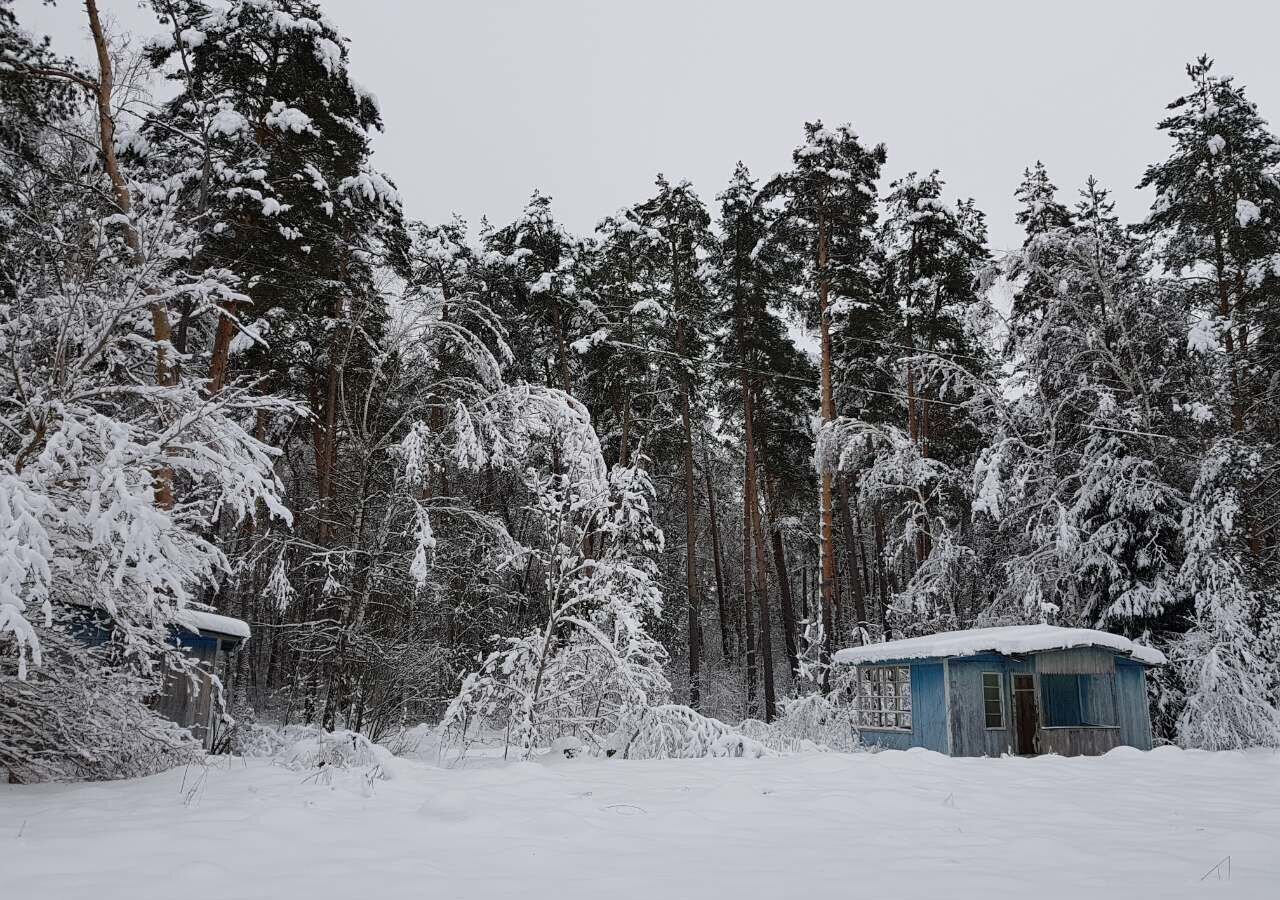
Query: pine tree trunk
[882, 581]
[562, 354]
[161, 329]
[221, 357]
[748, 617]
[828, 415]
[784, 582]
[726, 625]
[690, 530]
[752, 520]
[851, 555]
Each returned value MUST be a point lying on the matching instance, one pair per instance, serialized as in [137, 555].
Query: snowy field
[915, 824]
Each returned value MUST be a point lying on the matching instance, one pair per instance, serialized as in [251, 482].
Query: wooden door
[1026, 716]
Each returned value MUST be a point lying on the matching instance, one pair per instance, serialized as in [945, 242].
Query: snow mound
[563, 748]
[1011, 639]
[447, 806]
[307, 748]
[200, 622]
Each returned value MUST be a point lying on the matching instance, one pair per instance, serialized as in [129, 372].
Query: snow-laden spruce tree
[1215, 219]
[1076, 475]
[1229, 671]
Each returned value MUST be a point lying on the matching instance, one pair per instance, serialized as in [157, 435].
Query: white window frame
[883, 694]
[1004, 716]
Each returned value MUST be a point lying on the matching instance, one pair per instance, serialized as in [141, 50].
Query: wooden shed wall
[929, 707]
[969, 733]
[189, 701]
[1132, 706]
[928, 714]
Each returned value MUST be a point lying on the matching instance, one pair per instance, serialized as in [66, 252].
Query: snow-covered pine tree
[678, 226]
[267, 143]
[1217, 211]
[1215, 216]
[766, 375]
[1039, 210]
[1039, 213]
[827, 213]
[533, 267]
[1078, 469]
[906, 457]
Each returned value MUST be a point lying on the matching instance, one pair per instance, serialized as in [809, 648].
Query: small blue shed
[1023, 689]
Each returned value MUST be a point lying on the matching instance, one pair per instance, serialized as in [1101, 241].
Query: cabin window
[1078, 701]
[992, 699]
[884, 697]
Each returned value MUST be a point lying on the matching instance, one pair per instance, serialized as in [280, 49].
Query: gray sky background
[485, 99]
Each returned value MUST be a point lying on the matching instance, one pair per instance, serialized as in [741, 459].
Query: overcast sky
[483, 100]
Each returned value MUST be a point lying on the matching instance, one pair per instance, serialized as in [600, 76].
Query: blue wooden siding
[1132, 707]
[970, 735]
[928, 713]
[928, 707]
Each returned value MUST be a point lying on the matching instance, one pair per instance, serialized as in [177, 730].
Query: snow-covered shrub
[416, 742]
[252, 740]
[670, 731]
[79, 717]
[813, 722]
[311, 749]
[593, 661]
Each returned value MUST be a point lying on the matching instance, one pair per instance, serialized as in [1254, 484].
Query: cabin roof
[1009, 640]
[206, 622]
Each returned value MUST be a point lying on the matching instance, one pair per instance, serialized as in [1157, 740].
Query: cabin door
[1025, 714]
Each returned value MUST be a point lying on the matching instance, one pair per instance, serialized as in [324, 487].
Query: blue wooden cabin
[211, 639]
[1025, 690]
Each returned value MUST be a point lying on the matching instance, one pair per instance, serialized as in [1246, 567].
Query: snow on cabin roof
[1011, 639]
[201, 622]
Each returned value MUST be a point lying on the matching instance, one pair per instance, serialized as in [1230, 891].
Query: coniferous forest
[633, 487]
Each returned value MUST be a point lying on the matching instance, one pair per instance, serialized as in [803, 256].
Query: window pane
[1097, 700]
[883, 697]
[1060, 695]
[992, 702]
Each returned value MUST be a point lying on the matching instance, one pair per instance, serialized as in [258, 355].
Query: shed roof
[212, 623]
[1010, 639]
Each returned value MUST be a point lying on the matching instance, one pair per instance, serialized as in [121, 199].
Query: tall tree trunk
[748, 617]
[828, 415]
[160, 326]
[752, 520]
[784, 579]
[851, 554]
[690, 528]
[882, 581]
[726, 625]
[221, 357]
[562, 353]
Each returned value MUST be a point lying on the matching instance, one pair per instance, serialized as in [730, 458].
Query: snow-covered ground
[916, 824]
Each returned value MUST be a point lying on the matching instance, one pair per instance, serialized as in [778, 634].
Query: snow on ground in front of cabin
[893, 824]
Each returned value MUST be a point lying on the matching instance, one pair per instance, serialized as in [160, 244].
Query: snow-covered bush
[593, 660]
[311, 749]
[670, 731]
[813, 722]
[77, 716]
